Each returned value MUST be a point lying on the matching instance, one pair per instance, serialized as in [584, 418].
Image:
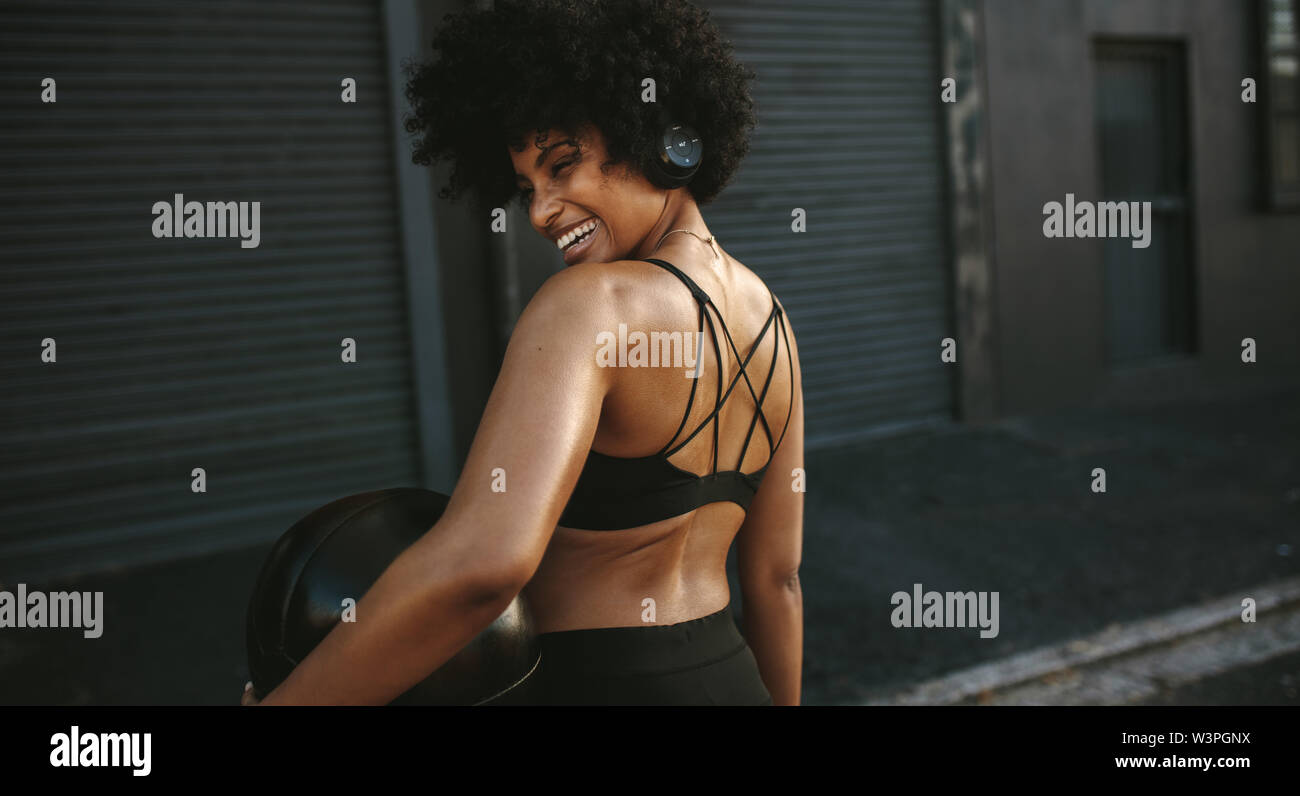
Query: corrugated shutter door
[182, 353]
[849, 130]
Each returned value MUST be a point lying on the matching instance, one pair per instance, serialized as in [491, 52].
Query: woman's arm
[769, 549]
[455, 580]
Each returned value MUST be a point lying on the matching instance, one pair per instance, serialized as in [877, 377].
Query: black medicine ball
[338, 551]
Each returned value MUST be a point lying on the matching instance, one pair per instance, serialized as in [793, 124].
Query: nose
[544, 208]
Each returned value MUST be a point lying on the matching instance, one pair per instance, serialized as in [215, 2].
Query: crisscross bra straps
[614, 492]
[775, 316]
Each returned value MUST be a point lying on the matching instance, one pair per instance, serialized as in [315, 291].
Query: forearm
[410, 622]
[774, 631]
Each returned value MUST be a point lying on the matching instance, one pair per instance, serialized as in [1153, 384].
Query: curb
[1113, 642]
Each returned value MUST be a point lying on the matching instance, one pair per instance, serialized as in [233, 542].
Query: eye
[559, 165]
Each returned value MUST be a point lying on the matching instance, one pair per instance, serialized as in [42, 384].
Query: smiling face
[593, 210]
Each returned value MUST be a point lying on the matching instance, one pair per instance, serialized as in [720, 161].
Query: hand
[248, 699]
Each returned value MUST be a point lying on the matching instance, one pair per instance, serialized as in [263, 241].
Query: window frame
[1279, 196]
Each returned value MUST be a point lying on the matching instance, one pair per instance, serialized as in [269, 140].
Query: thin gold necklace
[711, 240]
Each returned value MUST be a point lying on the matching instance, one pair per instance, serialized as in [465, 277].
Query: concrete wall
[1047, 295]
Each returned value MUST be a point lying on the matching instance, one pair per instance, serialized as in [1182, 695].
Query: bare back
[603, 578]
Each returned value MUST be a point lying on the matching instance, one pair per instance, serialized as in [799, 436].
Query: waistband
[648, 649]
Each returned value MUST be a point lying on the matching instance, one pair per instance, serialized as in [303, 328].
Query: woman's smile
[577, 242]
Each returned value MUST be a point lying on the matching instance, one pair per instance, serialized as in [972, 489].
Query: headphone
[680, 153]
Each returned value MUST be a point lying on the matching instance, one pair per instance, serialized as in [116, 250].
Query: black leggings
[702, 661]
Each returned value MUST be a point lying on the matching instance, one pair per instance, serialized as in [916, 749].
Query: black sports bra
[616, 493]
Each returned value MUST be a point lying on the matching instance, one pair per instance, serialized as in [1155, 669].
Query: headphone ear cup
[680, 154]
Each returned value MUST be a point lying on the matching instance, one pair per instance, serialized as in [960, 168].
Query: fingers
[248, 698]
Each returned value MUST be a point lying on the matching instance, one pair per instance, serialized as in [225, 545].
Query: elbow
[474, 570]
[780, 580]
[494, 583]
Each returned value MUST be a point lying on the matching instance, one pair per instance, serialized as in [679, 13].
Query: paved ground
[1130, 662]
[1273, 682]
[1202, 501]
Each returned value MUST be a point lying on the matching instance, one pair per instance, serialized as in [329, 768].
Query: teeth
[572, 235]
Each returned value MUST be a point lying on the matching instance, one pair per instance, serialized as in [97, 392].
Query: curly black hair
[527, 66]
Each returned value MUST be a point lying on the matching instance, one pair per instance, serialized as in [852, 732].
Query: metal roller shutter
[849, 130]
[182, 353]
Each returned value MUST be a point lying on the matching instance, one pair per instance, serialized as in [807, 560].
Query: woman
[623, 487]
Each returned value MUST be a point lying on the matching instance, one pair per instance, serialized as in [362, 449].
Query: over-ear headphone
[680, 153]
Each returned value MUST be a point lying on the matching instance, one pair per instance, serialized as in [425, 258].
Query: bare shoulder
[575, 299]
[760, 295]
[759, 284]
[614, 290]
[570, 288]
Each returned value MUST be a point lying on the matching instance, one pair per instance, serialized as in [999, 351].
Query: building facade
[922, 209]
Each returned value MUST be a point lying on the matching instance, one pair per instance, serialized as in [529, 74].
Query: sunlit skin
[550, 406]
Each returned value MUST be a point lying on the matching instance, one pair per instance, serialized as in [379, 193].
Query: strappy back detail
[613, 492]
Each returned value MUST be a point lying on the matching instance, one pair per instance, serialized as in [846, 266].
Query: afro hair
[505, 75]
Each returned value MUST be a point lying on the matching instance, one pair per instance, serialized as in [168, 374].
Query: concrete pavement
[1202, 502]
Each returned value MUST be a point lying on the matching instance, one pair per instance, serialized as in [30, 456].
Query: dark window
[1280, 95]
[1142, 133]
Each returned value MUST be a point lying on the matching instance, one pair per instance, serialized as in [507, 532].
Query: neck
[679, 212]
